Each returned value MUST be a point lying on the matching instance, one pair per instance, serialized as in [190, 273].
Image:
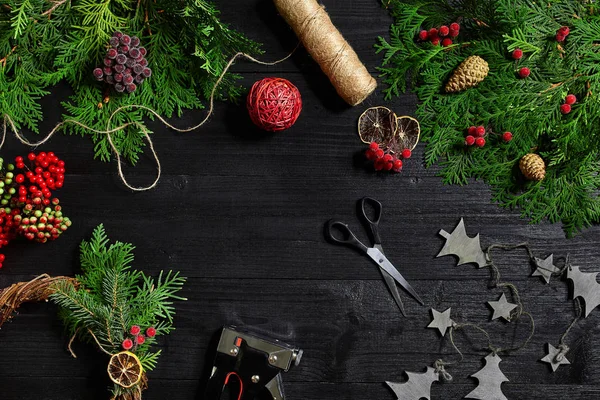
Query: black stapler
[252, 361]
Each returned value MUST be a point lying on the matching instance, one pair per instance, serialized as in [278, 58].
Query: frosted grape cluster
[125, 66]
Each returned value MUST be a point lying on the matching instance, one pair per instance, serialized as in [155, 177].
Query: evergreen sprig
[530, 108]
[43, 42]
[112, 297]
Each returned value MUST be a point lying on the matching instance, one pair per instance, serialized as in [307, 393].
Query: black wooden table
[241, 214]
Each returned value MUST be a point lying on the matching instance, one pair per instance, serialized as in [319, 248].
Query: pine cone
[469, 73]
[533, 167]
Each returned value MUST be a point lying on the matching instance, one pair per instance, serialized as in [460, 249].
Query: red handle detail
[239, 379]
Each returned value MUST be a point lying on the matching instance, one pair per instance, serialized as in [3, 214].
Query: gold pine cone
[470, 73]
[533, 167]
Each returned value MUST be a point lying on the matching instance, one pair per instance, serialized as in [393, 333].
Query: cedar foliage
[111, 297]
[529, 108]
[43, 42]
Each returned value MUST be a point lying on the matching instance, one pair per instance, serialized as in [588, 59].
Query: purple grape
[107, 70]
[98, 73]
[119, 68]
[131, 88]
[108, 62]
[147, 72]
[143, 51]
[110, 80]
[139, 79]
[143, 62]
[130, 62]
[127, 79]
[135, 41]
[118, 35]
[134, 53]
[137, 69]
[118, 77]
[125, 39]
[119, 87]
[112, 53]
[121, 59]
[114, 42]
[127, 71]
[124, 49]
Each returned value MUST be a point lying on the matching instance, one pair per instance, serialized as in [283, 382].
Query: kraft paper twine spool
[330, 50]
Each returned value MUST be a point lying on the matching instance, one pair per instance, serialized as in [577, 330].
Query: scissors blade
[391, 283]
[385, 264]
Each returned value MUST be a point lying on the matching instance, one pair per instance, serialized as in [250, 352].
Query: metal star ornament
[556, 356]
[441, 320]
[545, 268]
[502, 308]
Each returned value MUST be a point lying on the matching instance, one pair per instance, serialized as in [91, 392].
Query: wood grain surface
[241, 213]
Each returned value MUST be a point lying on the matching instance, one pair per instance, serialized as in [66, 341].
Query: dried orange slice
[125, 369]
[377, 124]
[407, 136]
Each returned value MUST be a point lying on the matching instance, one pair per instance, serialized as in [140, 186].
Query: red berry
[379, 154]
[565, 108]
[140, 339]
[480, 142]
[444, 31]
[524, 72]
[2, 257]
[370, 154]
[565, 30]
[31, 156]
[571, 99]
[151, 332]
[507, 137]
[397, 165]
[517, 54]
[480, 131]
[387, 158]
[560, 37]
[135, 330]
[19, 159]
[453, 33]
[374, 146]
[435, 41]
[446, 42]
[19, 178]
[433, 33]
[454, 26]
[127, 344]
[378, 164]
[472, 130]
[470, 140]
[423, 35]
[406, 153]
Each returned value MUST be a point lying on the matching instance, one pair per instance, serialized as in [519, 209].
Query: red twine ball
[274, 104]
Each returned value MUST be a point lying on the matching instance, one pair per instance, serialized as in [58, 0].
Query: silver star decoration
[441, 320]
[502, 308]
[545, 268]
[556, 357]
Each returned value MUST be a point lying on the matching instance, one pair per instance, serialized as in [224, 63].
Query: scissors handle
[344, 236]
[373, 223]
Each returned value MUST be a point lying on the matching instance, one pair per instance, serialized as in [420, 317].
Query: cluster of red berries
[27, 208]
[125, 65]
[442, 35]
[569, 101]
[137, 337]
[524, 72]
[384, 161]
[476, 136]
[562, 33]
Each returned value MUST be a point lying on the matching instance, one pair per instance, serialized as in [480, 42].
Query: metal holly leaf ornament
[490, 380]
[418, 386]
[585, 286]
[468, 250]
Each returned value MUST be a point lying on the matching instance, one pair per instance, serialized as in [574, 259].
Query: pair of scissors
[389, 272]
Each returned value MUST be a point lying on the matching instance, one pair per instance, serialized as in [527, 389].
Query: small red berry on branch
[565, 108]
[135, 330]
[517, 54]
[127, 344]
[444, 31]
[480, 131]
[480, 142]
[423, 35]
[470, 140]
[524, 72]
[151, 332]
[507, 137]
[140, 339]
[447, 42]
[571, 99]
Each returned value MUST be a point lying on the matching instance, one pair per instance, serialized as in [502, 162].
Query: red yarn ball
[274, 104]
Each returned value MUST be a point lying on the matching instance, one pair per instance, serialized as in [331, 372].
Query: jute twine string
[328, 48]
[109, 131]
